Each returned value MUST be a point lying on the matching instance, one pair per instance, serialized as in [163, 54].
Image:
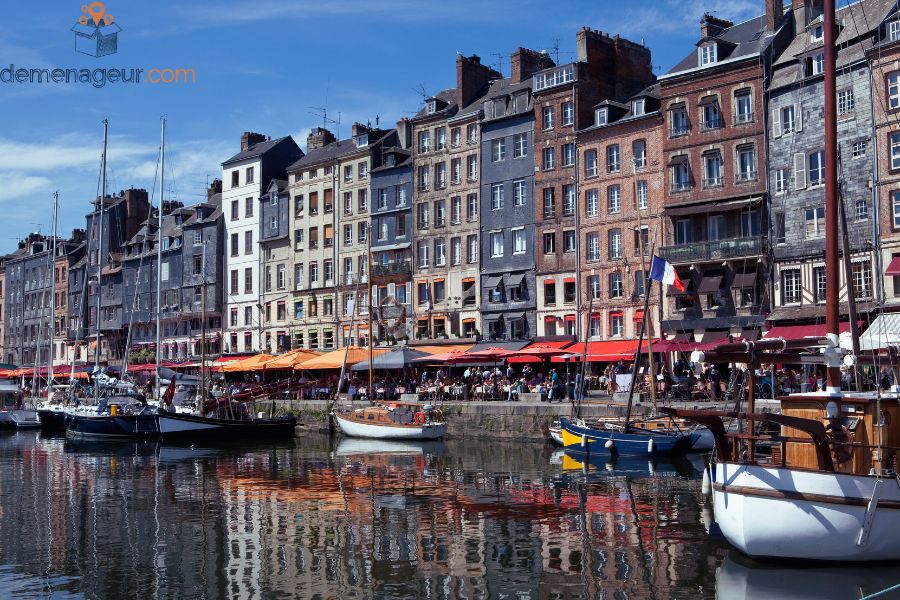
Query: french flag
[664, 272]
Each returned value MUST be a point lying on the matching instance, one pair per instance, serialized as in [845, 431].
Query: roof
[259, 149]
[650, 92]
[328, 153]
[743, 40]
[404, 159]
[857, 25]
[501, 88]
[448, 96]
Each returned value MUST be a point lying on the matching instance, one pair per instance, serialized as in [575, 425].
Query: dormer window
[637, 107]
[431, 106]
[893, 31]
[707, 54]
[815, 64]
[273, 198]
[816, 33]
[362, 140]
[601, 116]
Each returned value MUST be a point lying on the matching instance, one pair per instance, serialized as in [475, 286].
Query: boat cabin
[11, 397]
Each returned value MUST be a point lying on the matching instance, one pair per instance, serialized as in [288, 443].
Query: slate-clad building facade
[508, 288]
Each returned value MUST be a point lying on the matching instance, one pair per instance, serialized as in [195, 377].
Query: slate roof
[258, 149]
[502, 88]
[651, 93]
[448, 96]
[743, 40]
[333, 152]
[404, 158]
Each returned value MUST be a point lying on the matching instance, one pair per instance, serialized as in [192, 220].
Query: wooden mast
[832, 264]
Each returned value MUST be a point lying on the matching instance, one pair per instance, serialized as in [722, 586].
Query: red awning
[638, 315]
[569, 280]
[549, 318]
[608, 351]
[549, 280]
[792, 332]
[569, 317]
[533, 353]
[894, 267]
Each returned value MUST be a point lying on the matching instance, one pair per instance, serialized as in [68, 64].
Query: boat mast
[832, 264]
[647, 285]
[203, 334]
[369, 307]
[52, 296]
[100, 254]
[159, 232]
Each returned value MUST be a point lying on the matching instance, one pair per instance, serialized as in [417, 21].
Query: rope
[882, 592]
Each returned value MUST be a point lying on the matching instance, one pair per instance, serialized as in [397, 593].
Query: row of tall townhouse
[510, 208]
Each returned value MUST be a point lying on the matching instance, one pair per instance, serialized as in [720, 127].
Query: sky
[268, 66]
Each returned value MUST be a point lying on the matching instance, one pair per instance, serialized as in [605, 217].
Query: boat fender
[419, 418]
[706, 487]
[650, 446]
[609, 445]
[583, 440]
[114, 410]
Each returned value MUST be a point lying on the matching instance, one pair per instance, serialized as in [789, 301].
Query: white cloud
[18, 185]
[678, 16]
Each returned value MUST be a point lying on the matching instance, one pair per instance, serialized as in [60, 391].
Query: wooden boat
[174, 426]
[703, 442]
[555, 433]
[579, 436]
[393, 421]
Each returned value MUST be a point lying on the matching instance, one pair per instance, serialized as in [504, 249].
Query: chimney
[78, 236]
[525, 62]
[248, 139]
[214, 188]
[318, 138]
[805, 12]
[774, 14]
[404, 133]
[471, 78]
[359, 128]
[711, 26]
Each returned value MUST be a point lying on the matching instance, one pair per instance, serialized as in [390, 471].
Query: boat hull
[771, 512]
[181, 426]
[555, 433]
[19, 418]
[53, 420]
[590, 440]
[112, 427]
[428, 431]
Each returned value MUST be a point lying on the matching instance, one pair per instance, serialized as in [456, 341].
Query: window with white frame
[472, 207]
[637, 107]
[816, 33]
[456, 137]
[424, 141]
[712, 165]
[895, 208]
[496, 196]
[591, 202]
[568, 154]
[743, 106]
[893, 31]
[456, 210]
[594, 283]
[858, 149]
[817, 168]
[348, 234]
[518, 240]
[601, 116]
[746, 159]
[569, 200]
[590, 163]
[815, 222]
[471, 133]
[615, 243]
[382, 198]
[472, 167]
[893, 90]
[895, 150]
[862, 279]
[441, 136]
[616, 288]
[440, 213]
[614, 199]
[549, 158]
[815, 64]
[456, 170]
[643, 196]
[440, 252]
[547, 117]
[382, 230]
[593, 248]
[845, 101]
[568, 113]
[613, 164]
[707, 54]
[678, 121]
[456, 250]
[520, 192]
[639, 153]
[780, 179]
[423, 254]
[569, 240]
[498, 149]
[520, 145]
[791, 289]
[472, 248]
[496, 238]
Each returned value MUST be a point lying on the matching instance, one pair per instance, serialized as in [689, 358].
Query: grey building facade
[276, 254]
[508, 287]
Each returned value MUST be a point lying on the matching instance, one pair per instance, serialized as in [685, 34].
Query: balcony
[745, 176]
[678, 131]
[711, 125]
[713, 182]
[714, 250]
[392, 269]
[744, 118]
[679, 187]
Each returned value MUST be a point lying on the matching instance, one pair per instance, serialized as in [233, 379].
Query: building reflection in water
[454, 520]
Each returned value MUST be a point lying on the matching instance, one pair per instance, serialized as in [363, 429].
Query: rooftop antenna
[322, 112]
[555, 50]
[420, 89]
[501, 57]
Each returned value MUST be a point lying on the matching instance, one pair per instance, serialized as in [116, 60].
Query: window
[472, 133]
[778, 227]
[787, 121]
[198, 238]
[779, 178]
[678, 121]
[569, 200]
[440, 175]
[248, 207]
[401, 226]
[441, 135]
[590, 163]
[248, 281]
[819, 284]
[348, 234]
[472, 207]
[707, 54]
[593, 246]
[568, 113]
[440, 292]
[498, 149]
[743, 107]
[642, 240]
[845, 101]
[895, 206]
[568, 292]
[614, 199]
[455, 210]
[569, 240]
[520, 193]
[248, 175]
[616, 289]
[348, 203]
[401, 196]
[615, 243]
[612, 158]
[440, 252]
[472, 167]
[639, 283]
[893, 90]
[472, 249]
[861, 212]
[497, 196]
[681, 176]
[749, 222]
[280, 277]
[519, 241]
[862, 279]
[233, 318]
[895, 150]
[235, 178]
[362, 232]
[601, 116]
[591, 202]
[520, 145]
[313, 274]
[422, 215]
[815, 222]
[328, 268]
[248, 242]
[550, 242]
[440, 213]
[496, 244]
[550, 293]
[790, 286]
[817, 167]
[815, 65]
[684, 231]
[859, 148]
[639, 153]
[549, 202]
[893, 31]
[816, 33]
[643, 198]
[273, 222]
[299, 279]
[235, 215]
[423, 141]
[547, 117]
[710, 108]
[712, 164]
[234, 282]
[746, 156]
[568, 151]
[248, 315]
[456, 137]
[456, 251]
[456, 170]
[549, 158]
[235, 247]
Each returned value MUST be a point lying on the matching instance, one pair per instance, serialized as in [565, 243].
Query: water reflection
[357, 519]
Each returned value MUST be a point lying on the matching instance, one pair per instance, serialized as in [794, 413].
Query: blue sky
[259, 66]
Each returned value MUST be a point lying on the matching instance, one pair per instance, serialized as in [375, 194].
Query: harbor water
[318, 518]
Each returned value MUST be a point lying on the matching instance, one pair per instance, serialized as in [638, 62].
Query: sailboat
[830, 489]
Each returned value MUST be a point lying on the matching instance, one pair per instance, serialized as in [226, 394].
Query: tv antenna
[322, 113]
[420, 89]
[501, 58]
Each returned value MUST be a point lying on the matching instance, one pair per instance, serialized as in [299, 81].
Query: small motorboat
[14, 414]
[555, 433]
[393, 420]
[610, 438]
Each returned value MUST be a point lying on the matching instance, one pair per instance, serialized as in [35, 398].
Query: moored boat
[13, 412]
[394, 420]
[578, 436]
[555, 433]
[186, 426]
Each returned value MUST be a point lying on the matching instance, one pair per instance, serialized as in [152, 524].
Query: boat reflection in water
[631, 466]
[740, 577]
[348, 446]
